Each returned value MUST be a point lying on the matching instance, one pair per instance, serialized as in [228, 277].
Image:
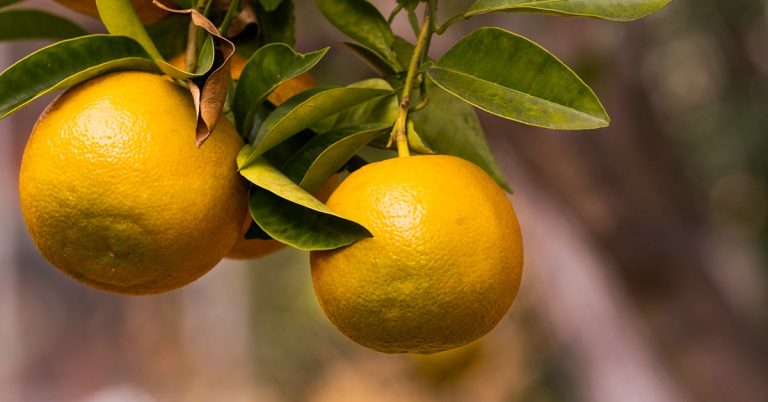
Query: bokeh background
[646, 245]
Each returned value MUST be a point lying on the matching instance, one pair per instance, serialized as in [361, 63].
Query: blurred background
[646, 245]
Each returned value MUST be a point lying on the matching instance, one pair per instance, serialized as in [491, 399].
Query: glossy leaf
[170, 35]
[371, 58]
[293, 216]
[67, 63]
[361, 21]
[34, 24]
[617, 10]
[377, 110]
[325, 154]
[278, 25]
[4, 3]
[120, 18]
[269, 67]
[512, 77]
[409, 5]
[450, 126]
[304, 110]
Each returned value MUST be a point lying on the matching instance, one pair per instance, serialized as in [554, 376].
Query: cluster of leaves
[293, 148]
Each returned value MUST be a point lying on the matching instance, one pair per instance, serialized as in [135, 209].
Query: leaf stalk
[399, 130]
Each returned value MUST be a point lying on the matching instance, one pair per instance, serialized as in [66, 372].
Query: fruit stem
[232, 11]
[399, 130]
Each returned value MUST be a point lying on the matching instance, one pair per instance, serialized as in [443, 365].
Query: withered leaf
[209, 92]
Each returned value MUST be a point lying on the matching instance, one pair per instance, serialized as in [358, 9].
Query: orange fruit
[444, 263]
[247, 249]
[116, 194]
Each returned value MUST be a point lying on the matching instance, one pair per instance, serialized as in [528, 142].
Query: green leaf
[361, 21]
[291, 215]
[325, 154]
[617, 10]
[33, 24]
[269, 67]
[4, 3]
[512, 77]
[377, 110]
[278, 25]
[409, 5]
[67, 63]
[371, 58]
[304, 110]
[450, 126]
[170, 35]
[120, 19]
[270, 5]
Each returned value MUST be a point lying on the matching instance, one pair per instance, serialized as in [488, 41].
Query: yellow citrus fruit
[116, 194]
[443, 265]
[248, 249]
[148, 13]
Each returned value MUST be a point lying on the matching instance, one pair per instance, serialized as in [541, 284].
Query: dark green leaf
[512, 77]
[33, 24]
[279, 25]
[291, 215]
[361, 21]
[377, 110]
[4, 3]
[170, 35]
[409, 5]
[617, 10]
[304, 110]
[376, 62]
[67, 63]
[325, 154]
[270, 5]
[269, 67]
[450, 126]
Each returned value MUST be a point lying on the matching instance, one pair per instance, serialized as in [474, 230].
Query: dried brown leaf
[209, 101]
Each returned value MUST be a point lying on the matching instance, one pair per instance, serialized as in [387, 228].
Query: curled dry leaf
[246, 17]
[209, 102]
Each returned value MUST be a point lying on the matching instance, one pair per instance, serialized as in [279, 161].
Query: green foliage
[4, 3]
[170, 35]
[287, 213]
[325, 154]
[269, 67]
[512, 77]
[67, 63]
[120, 19]
[294, 148]
[33, 24]
[304, 110]
[618, 10]
[270, 5]
[362, 22]
[449, 126]
[278, 25]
